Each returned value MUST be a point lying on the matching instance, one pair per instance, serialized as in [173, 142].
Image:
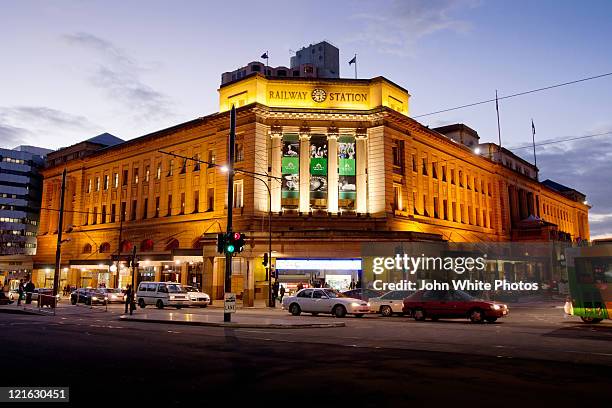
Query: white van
[162, 294]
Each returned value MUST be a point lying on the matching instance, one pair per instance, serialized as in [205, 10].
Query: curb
[237, 325]
[23, 311]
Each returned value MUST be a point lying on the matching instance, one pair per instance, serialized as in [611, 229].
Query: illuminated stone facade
[348, 166]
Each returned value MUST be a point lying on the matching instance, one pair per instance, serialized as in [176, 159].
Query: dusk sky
[72, 70]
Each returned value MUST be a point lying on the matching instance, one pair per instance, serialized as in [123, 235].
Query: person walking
[300, 286]
[29, 288]
[282, 292]
[20, 292]
[128, 297]
[275, 290]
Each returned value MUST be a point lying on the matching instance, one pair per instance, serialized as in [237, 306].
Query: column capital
[276, 131]
[361, 133]
[332, 132]
[304, 133]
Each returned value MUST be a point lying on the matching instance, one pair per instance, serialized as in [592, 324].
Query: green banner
[346, 167]
[318, 167]
[290, 165]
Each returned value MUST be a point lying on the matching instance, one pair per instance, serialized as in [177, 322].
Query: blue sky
[71, 70]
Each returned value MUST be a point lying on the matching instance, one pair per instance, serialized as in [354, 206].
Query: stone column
[184, 273]
[304, 172]
[275, 169]
[332, 172]
[361, 176]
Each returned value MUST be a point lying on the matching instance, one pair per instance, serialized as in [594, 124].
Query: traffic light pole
[60, 227]
[227, 317]
[133, 300]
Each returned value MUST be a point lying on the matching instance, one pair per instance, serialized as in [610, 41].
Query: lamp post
[271, 300]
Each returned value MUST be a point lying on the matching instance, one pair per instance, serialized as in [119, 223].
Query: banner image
[290, 169]
[318, 168]
[347, 179]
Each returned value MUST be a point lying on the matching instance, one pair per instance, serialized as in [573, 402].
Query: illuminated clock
[318, 95]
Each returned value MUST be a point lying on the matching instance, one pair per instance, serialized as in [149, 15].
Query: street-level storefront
[334, 273]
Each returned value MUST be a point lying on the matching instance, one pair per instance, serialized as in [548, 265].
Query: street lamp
[271, 300]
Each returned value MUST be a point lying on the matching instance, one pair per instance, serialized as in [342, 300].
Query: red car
[438, 304]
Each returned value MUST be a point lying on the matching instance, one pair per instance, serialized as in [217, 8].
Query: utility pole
[227, 317]
[134, 266]
[60, 227]
[118, 251]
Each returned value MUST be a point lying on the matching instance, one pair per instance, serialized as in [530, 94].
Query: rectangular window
[424, 166]
[169, 213]
[425, 212]
[414, 203]
[436, 209]
[398, 156]
[113, 212]
[484, 219]
[467, 180]
[182, 204]
[434, 170]
[475, 184]
[445, 209]
[489, 189]
[134, 205]
[318, 172]
[158, 171]
[116, 180]
[477, 216]
[123, 211]
[196, 201]
[482, 187]
[124, 181]
[462, 212]
[211, 159]
[147, 174]
[443, 173]
[97, 183]
[103, 216]
[170, 167]
[414, 163]
[183, 166]
[89, 186]
[196, 162]
[145, 209]
[290, 172]
[239, 152]
[397, 197]
[238, 198]
[95, 216]
[156, 207]
[347, 176]
[454, 212]
[461, 180]
[136, 178]
[210, 199]
[106, 182]
[452, 176]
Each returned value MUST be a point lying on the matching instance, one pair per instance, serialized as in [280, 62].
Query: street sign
[229, 305]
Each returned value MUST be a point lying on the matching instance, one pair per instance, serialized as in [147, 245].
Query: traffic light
[265, 259]
[239, 241]
[221, 243]
[231, 243]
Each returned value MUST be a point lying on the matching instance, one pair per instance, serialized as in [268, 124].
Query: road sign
[229, 305]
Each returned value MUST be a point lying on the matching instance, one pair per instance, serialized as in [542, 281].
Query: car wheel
[491, 319]
[141, 303]
[359, 315]
[295, 309]
[591, 320]
[477, 316]
[339, 311]
[419, 315]
[73, 301]
[159, 304]
[88, 302]
[386, 311]
[315, 313]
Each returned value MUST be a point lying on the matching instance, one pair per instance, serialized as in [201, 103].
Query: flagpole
[498, 127]
[535, 159]
[267, 63]
[355, 66]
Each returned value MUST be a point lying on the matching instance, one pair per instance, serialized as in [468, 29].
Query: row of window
[17, 245]
[22, 233]
[556, 212]
[19, 220]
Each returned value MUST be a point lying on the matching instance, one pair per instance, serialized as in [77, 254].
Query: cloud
[119, 76]
[585, 166]
[36, 124]
[395, 26]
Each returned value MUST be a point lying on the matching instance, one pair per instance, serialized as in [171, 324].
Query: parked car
[390, 302]
[197, 298]
[437, 304]
[363, 294]
[44, 291]
[114, 295]
[161, 294]
[321, 300]
[88, 296]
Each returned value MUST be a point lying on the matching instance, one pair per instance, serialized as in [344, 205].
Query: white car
[196, 297]
[161, 294]
[321, 300]
[390, 302]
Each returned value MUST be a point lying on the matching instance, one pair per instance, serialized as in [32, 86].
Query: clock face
[318, 95]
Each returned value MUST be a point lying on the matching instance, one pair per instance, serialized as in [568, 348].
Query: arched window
[126, 246]
[147, 245]
[172, 243]
[87, 249]
[105, 248]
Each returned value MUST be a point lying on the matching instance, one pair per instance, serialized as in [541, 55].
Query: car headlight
[355, 304]
[94, 298]
[495, 307]
[368, 304]
[105, 298]
[172, 297]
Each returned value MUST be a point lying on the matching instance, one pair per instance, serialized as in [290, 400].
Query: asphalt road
[533, 357]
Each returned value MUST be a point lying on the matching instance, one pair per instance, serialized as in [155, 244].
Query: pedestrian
[128, 297]
[568, 308]
[282, 292]
[275, 289]
[29, 288]
[300, 286]
[20, 292]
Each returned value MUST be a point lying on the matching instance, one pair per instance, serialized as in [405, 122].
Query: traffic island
[217, 321]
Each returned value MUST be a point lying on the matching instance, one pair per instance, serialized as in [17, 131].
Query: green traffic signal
[230, 249]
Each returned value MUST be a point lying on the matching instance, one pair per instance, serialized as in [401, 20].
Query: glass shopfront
[334, 273]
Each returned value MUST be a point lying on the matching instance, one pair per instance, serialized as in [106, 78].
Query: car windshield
[175, 288]
[333, 294]
[111, 290]
[191, 289]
